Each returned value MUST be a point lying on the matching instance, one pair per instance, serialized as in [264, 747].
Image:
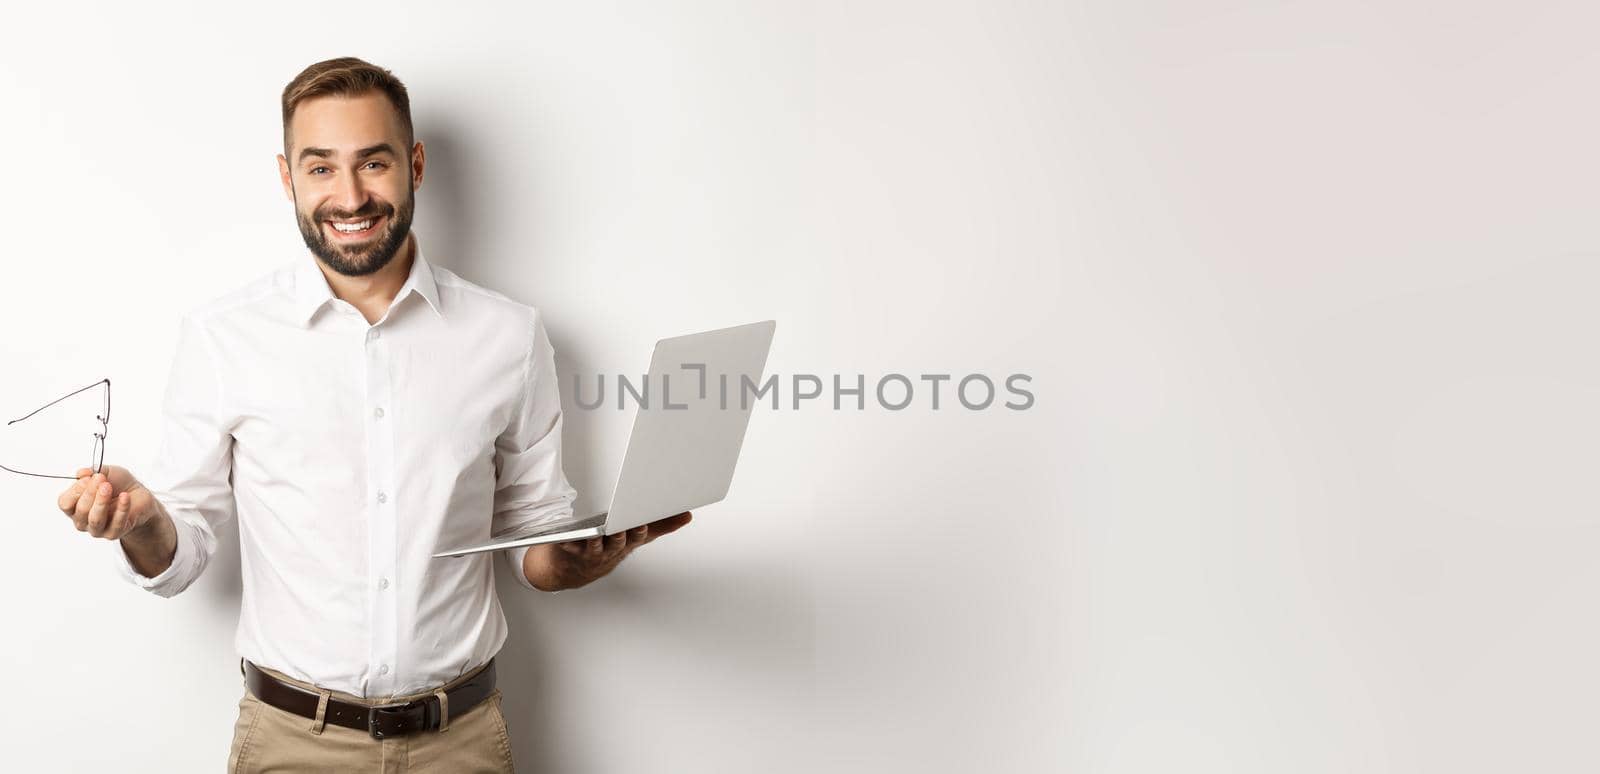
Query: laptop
[693, 410]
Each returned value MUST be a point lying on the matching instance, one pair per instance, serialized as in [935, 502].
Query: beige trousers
[268, 739]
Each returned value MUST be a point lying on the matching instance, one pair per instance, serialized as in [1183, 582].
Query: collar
[311, 288]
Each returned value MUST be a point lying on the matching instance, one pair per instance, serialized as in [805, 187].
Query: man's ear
[417, 163]
[283, 176]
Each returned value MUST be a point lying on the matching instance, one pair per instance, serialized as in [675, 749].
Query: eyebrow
[324, 153]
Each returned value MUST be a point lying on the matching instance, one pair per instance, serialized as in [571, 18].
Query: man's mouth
[354, 229]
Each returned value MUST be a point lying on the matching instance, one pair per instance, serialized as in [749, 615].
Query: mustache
[365, 212]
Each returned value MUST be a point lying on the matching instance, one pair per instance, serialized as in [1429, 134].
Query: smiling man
[358, 409]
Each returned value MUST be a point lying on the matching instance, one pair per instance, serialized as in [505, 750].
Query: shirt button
[383, 669]
[383, 583]
[383, 498]
[372, 335]
[378, 413]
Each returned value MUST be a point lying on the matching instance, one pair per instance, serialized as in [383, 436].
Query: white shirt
[353, 452]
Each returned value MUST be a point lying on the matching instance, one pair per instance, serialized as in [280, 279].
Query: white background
[1306, 290]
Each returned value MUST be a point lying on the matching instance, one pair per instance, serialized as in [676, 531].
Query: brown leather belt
[380, 721]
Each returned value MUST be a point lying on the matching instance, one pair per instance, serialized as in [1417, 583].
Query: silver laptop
[692, 413]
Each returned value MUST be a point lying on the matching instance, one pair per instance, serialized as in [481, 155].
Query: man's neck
[372, 294]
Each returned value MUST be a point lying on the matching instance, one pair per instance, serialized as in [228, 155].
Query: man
[360, 408]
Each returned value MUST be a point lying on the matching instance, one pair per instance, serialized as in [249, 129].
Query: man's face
[348, 165]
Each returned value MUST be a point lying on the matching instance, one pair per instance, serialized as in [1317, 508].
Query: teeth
[362, 226]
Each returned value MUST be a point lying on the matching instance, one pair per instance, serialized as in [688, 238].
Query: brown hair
[346, 76]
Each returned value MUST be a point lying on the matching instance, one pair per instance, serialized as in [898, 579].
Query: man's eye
[314, 169]
[379, 163]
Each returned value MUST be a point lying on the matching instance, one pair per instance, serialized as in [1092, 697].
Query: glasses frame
[99, 451]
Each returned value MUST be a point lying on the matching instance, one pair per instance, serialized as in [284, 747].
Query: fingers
[674, 521]
[641, 535]
[100, 512]
[623, 542]
[96, 507]
[668, 525]
[80, 511]
[587, 549]
[638, 536]
[120, 516]
[68, 501]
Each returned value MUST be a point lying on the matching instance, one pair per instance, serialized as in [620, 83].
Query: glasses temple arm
[106, 382]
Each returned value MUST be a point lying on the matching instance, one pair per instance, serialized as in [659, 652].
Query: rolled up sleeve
[193, 464]
[531, 488]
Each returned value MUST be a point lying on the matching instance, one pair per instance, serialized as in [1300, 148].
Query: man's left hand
[575, 563]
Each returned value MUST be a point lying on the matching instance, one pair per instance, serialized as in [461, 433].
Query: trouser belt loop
[444, 710]
[321, 719]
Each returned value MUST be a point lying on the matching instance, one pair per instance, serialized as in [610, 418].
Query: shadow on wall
[742, 617]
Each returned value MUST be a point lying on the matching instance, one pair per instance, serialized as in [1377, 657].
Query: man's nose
[350, 195]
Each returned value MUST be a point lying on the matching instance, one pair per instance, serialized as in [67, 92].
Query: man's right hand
[109, 504]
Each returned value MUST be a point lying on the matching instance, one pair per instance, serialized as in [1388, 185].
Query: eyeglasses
[99, 453]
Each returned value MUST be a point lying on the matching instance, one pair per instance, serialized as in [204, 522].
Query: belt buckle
[393, 710]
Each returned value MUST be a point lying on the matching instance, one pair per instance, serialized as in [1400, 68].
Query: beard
[360, 259]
